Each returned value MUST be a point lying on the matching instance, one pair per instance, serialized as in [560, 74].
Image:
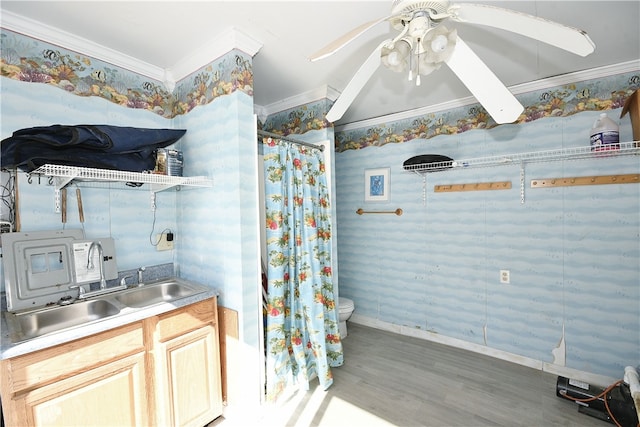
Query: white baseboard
[588, 377]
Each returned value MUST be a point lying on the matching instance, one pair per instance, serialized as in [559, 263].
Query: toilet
[345, 308]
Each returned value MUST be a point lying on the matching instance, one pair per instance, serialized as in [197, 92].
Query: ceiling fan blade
[355, 85]
[568, 38]
[341, 42]
[483, 84]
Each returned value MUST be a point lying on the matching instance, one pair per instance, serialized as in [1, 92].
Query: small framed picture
[376, 185]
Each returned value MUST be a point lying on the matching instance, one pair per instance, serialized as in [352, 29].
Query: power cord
[153, 226]
[8, 195]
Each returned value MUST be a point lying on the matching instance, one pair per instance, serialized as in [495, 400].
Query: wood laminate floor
[393, 380]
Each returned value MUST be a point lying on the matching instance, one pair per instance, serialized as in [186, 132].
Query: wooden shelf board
[632, 178]
[476, 186]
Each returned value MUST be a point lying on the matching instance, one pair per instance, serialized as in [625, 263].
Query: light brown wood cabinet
[163, 370]
[187, 367]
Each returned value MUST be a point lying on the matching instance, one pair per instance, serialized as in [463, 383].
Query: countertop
[10, 349]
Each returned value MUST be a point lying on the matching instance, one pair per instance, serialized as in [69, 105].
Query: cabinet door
[188, 379]
[110, 395]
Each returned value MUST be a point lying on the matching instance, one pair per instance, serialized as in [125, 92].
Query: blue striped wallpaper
[123, 214]
[573, 252]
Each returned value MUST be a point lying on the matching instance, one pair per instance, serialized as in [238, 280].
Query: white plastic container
[605, 134]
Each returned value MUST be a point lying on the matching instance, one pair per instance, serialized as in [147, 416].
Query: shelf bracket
[522, 183]
[56, 197]
[59, 184]
[424, 190]
[161, 187]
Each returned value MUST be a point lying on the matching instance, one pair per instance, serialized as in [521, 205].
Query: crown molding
[202, 55]
[260, 112]
[215, 48]
[578, 76]
[323, 92]
[548, 83]
[48, 34]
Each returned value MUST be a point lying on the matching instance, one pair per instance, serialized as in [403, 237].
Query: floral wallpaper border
[590, 95]
[299, 120]
[27, 59]
[30, 60]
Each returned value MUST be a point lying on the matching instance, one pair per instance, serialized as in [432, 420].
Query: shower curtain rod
[295, 141]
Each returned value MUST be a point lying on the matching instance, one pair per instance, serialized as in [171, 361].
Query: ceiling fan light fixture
[438, 44]
[396, 57]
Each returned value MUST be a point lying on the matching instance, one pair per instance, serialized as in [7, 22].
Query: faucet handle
[123, 281]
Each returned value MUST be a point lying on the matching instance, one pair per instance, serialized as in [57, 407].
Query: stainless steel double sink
[30, 324]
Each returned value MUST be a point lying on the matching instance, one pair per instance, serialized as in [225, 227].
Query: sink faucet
[140, 270]
[123, 281]
[81, 291]
[90, 265]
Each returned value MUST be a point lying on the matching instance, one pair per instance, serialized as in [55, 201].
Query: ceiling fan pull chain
[418, 62]
[410, 66]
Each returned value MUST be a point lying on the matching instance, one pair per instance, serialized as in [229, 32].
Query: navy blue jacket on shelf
[94, 146]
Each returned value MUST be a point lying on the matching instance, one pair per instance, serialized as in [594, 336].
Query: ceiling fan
[424, 43]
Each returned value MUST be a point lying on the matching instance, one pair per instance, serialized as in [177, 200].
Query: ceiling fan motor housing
[407, 7]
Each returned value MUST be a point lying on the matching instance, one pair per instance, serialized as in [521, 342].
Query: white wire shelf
[63, 175]
[626, 149]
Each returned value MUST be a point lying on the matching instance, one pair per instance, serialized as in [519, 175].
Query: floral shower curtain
[302, 337]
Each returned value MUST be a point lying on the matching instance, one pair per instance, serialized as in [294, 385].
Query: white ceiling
[162, 33]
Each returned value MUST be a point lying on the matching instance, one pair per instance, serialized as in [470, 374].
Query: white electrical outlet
[163, 243]
[505, 277]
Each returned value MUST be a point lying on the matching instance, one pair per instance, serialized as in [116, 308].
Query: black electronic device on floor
[613, 404]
